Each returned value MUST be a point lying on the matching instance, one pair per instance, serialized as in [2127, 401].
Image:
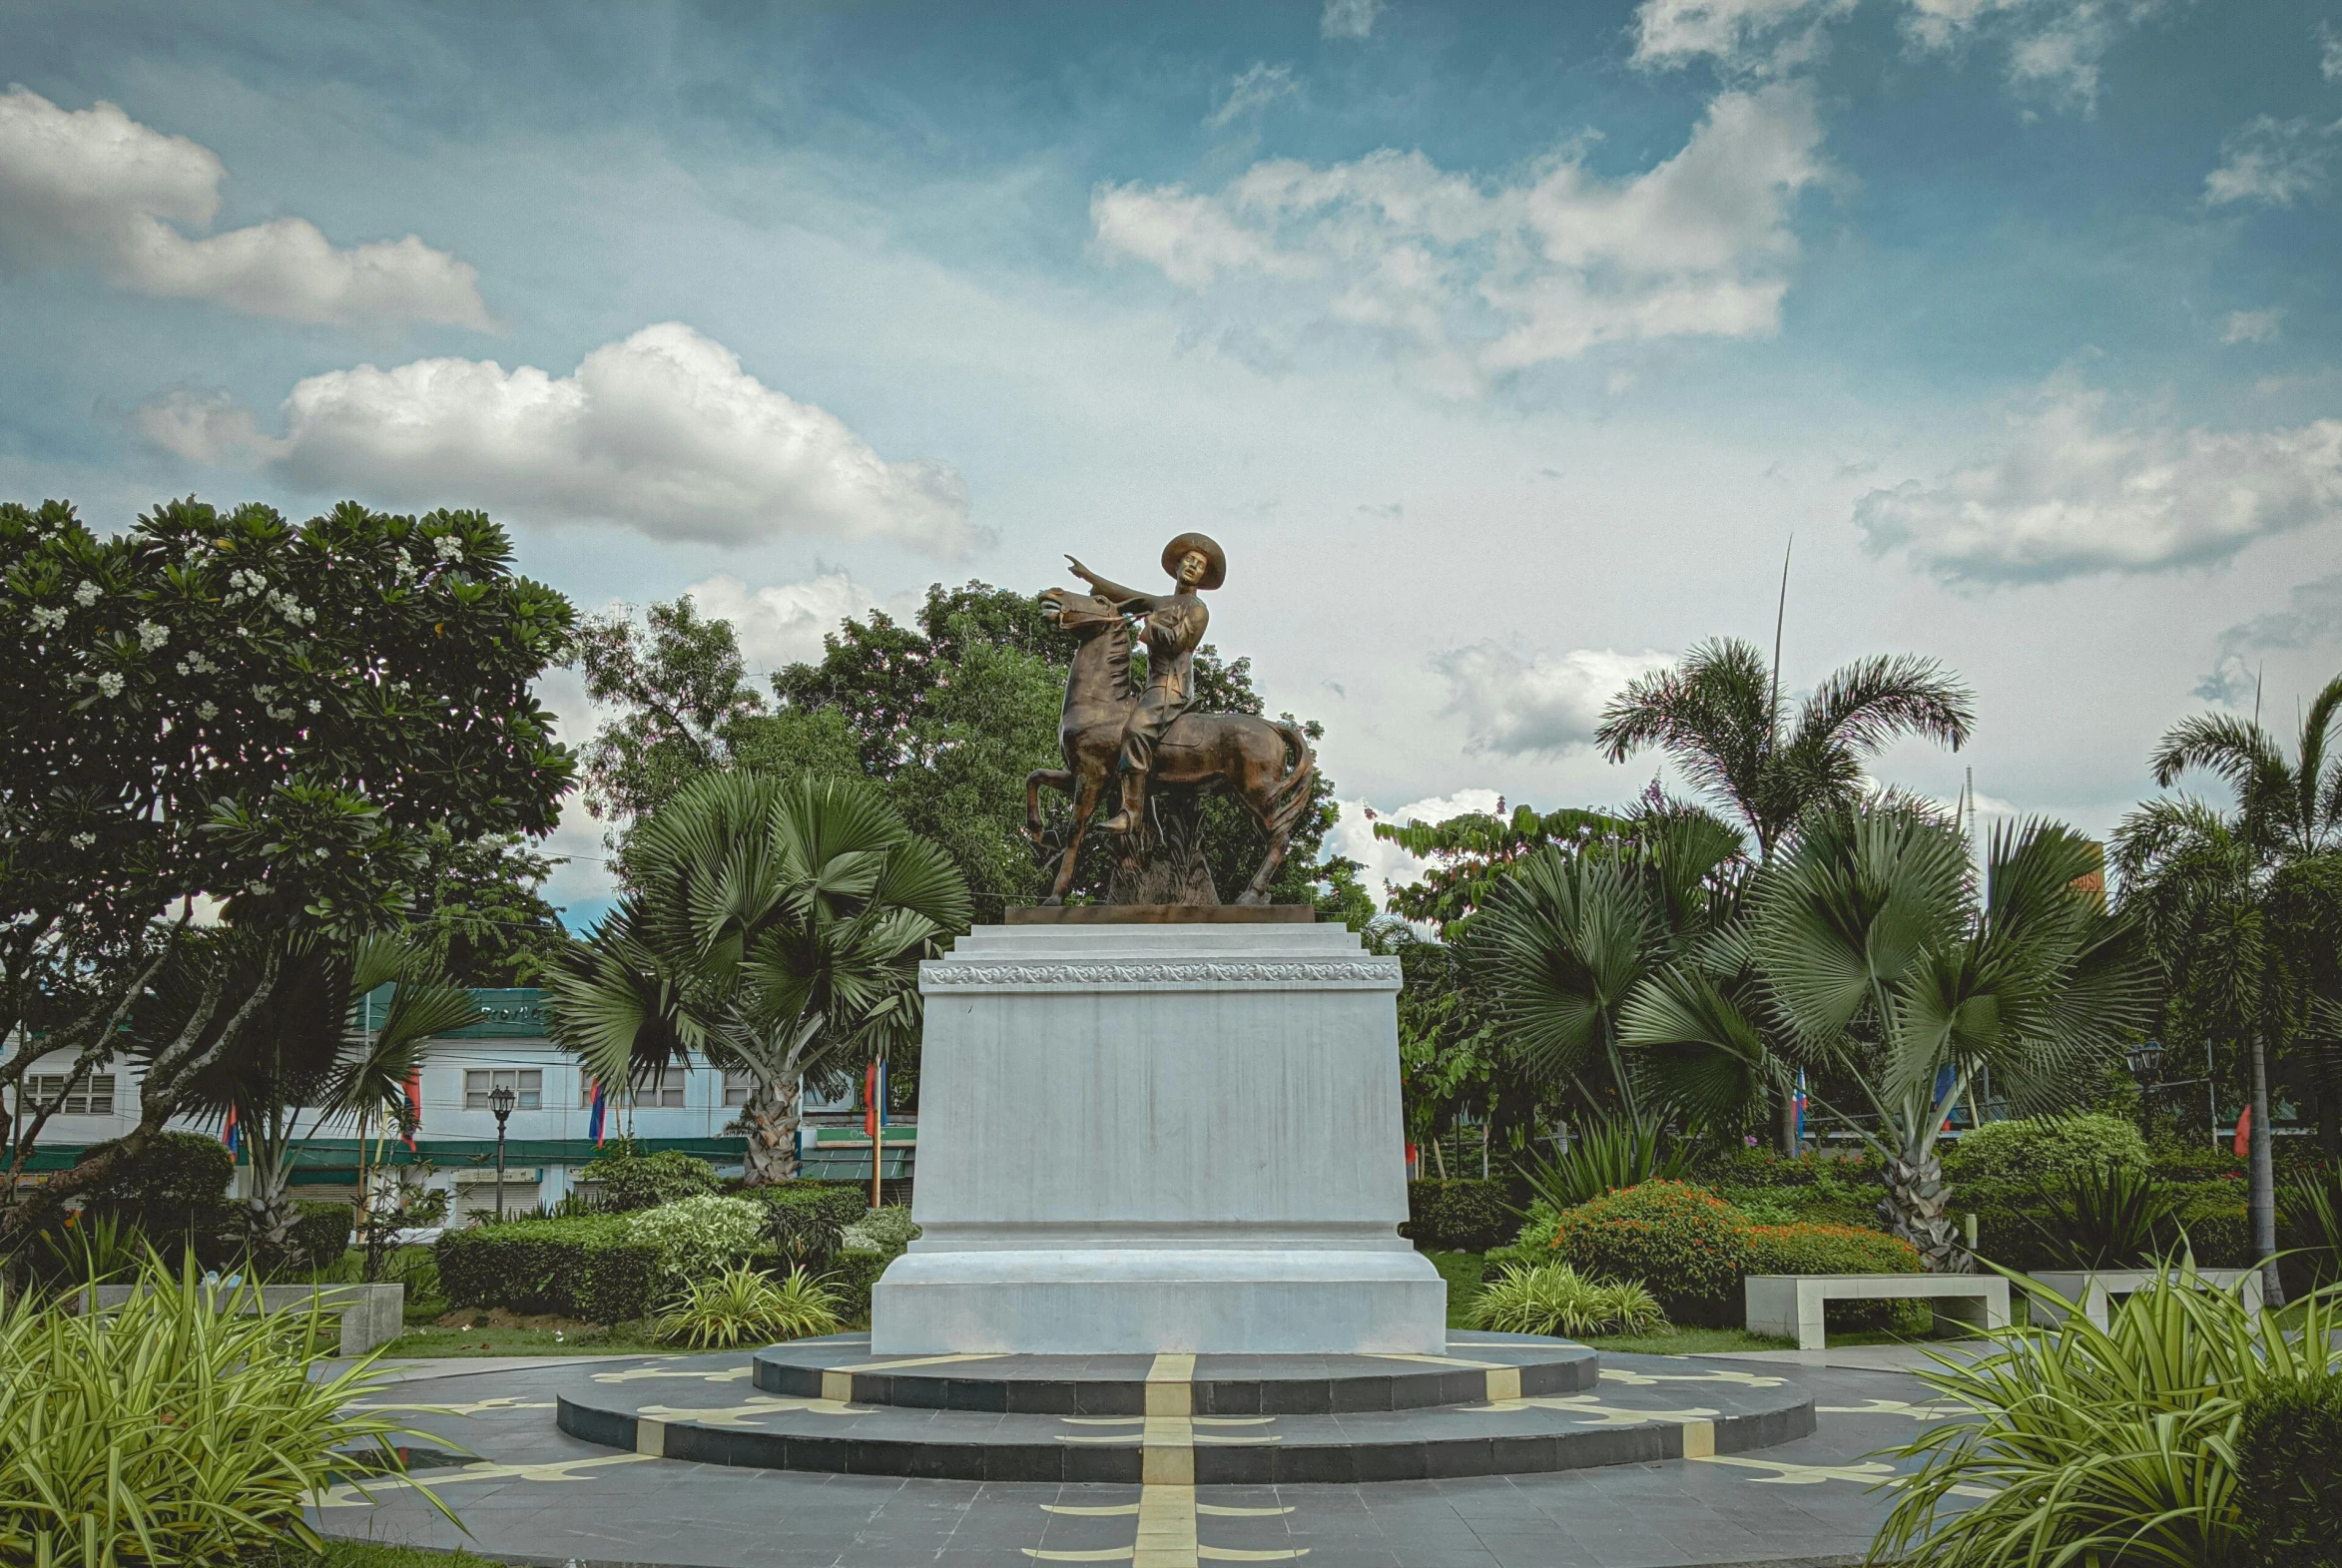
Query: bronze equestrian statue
[1154, 734]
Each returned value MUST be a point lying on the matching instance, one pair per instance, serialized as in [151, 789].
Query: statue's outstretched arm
[1125, 597]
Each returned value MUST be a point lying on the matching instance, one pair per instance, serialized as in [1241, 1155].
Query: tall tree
[773, 928]
[1721, 718]
[1469, 854]
[2207, 885]
[266, 716]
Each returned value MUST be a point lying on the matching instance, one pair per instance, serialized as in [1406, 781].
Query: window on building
[738, 1086]
[526, 1083]
[666, 1094]
[95, 1096]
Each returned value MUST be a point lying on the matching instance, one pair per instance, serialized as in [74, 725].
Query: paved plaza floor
[525, 1491]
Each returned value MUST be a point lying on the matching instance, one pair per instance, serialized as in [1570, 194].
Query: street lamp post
[500, 1101]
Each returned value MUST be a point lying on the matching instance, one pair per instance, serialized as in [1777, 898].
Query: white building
[547, 1137]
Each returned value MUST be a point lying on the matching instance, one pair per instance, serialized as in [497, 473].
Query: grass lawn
[370, 1554]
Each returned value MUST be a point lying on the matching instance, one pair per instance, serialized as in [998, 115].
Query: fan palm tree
[773, 928]
[305, 1052]
[1566, 939]
[2203, 883]
[1719, 716]
[1889, 972]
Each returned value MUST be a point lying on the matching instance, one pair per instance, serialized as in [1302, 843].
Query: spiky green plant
[746, 1304]
[2095, 1447]
[1554, 1298]
[1605, 1157]
[183, 1427]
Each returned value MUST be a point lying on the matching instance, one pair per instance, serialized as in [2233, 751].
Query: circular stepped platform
[1496, 1404]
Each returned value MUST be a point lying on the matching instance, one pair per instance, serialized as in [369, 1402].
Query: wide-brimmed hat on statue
[1216, 560]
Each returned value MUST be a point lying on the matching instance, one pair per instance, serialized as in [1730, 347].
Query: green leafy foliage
[1685, 1244]
[742, 1304]
[177, 1430]
[1553, 1298]
[629, 1180]
[321, 1235]
[852, 1273]
[1605, 1156]
[1459, 1215]
[1804, 1248]
[887, 1230]
[2047, 1151]
[695, 1236]
[588, 1268]
[2113, 1217]
[172, 1190]
[2113, 1445]
[2289, 1486]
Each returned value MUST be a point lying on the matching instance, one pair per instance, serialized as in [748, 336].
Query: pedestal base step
[1188, 1421]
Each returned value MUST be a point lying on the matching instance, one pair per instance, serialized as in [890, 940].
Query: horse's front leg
[1085, 801]
[1055, 779]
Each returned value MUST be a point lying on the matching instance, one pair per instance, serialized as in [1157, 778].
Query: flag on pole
[414, 1106]
[594, 1117]
[232, 1134]
[873, 1118]
[1801, 1105]
[2244, 1133]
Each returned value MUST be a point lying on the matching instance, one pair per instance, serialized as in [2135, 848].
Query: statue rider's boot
[1134, 805]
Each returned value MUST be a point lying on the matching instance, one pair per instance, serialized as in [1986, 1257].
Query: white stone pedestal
[1160, 1138]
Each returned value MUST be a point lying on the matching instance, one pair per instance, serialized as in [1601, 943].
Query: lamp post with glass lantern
[500, 1101]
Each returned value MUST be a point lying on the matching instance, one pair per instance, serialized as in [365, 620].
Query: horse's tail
[1290, 797]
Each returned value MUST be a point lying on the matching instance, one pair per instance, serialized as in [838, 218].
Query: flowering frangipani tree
[230, 715]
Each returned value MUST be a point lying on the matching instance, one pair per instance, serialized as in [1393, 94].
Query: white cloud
[2253, 326]
[2273, 161]
[1544, 703]
[2053, 46]
[663, 433]
[2312, 618]
[1469, 280]
[1252, 92]
[1349, 18]
[92, 187]
[1383, 864]
[2067, 496]
[205, 426]
[2329, 52]
[782, 623]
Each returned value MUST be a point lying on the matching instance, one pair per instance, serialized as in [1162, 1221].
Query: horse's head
[1084, 614]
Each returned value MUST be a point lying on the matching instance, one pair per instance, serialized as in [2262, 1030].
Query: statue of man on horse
[1111, 728]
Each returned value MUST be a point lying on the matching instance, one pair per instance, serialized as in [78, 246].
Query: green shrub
[2044, 1152]
[845, 1201]
[889, 1231]
[321, 1235]
[2188, 1159]
[700, 1235]
[1606, 1156]
[629, 1180]
[174, 1431]
[587, 1269]
[806, 1221]
[1685, 1244]
[170, 1192]
[1553, 1298]
[2289, 1488]
[1457, 1216]
[2218, 1226]
[744, 1304]
[2086, 1445]
[852, 1273]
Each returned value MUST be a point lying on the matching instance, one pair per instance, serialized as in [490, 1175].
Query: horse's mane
[1118, 657]
[1116, 633]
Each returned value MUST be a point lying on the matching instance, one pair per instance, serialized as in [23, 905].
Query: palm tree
[1890, 973]
[1567, 938]
[773, 928]
[2204, 885]
[305, 1052]
[1719, 716]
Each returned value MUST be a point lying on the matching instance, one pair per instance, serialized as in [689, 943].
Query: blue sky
[1503, 348]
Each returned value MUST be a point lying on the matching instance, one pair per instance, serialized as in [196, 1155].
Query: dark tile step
[1647, 1408]
[1478, 1366]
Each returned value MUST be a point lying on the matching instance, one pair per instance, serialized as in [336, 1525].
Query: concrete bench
[370, 1315]
[1790, 1305]
[2095, 1288]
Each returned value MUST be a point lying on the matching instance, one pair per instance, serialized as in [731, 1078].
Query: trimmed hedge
[2044, 1151]
[1686, 1245]
[1459, 1215]
[586, 1269]
[322, 1235]
[173, 1189]
[850, 1274]
[842, 1202]
[2011, 1217]
[2289, 1488]
[629, 1180]
[1837, 1249]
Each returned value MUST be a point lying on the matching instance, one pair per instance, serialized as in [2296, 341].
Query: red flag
[2244, 1133]
[870, 1101]
[415, 1104]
